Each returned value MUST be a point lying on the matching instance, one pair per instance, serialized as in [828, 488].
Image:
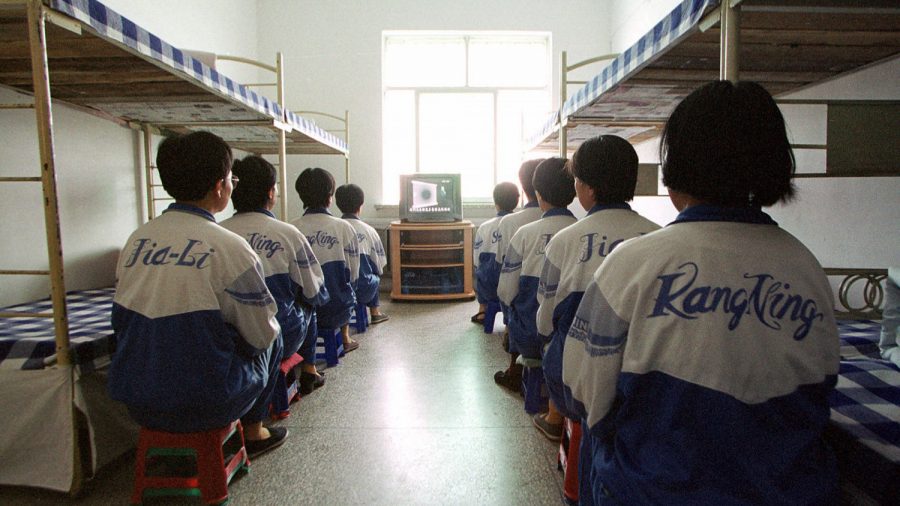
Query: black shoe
[509, 380]
[276, 438]
[310, 382]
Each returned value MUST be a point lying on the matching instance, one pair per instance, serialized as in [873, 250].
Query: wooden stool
[332, 344]
[567, 460]
[213, 471]
[286, 388]
[490, 314]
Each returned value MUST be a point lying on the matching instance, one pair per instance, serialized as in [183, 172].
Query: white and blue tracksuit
[485, 251]
[293, 274]
[372, 260]
[701, 357]
[519, 279]
[334, 243]
[197, 337]
[507, 228]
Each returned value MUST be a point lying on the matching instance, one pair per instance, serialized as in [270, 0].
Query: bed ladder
[43, 115]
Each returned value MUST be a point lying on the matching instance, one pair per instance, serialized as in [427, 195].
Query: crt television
[430, 198]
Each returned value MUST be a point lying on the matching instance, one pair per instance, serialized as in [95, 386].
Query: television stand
[431, 261]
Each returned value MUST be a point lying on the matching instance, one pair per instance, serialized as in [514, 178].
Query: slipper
[478, 318]
[352, 345]
[276, 438]
[379, 318]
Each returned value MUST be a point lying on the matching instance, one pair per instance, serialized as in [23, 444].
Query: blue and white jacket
[510, 224]
[702, 356]
[519, 280]
[193, 321]
[334, 243]
[485, 251]
[293, 273]
[571, 258]
[372, 258]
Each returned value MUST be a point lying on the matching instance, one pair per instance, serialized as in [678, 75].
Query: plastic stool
[567, 460]
[213, 471]
[360, 318]
[333, 344]
[534, 390]
[286, 388]
[490, 314]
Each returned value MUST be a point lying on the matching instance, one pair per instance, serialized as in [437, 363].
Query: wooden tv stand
[431, 261]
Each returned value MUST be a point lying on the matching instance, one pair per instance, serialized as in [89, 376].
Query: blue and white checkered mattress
[865, 410]
[28, 343]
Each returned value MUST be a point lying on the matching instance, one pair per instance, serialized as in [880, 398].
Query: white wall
[98, 163]
[631, 19]
[333, 59]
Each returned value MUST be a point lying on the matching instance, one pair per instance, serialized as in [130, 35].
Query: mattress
[28, 343]
[865, 413]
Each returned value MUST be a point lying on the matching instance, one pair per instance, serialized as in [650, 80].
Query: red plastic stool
[213, 470]
[286, 388]
[567, 460]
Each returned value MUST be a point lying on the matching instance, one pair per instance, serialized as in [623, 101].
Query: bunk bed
[59, 425]
[785, 45]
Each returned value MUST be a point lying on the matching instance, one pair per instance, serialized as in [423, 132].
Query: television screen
[430, 197]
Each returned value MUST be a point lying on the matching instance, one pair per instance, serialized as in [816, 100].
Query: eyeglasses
[234, 181]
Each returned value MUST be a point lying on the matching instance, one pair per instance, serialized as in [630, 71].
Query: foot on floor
[552, 431]
[509, 379]
[276, 438]
[350, 346]
[378, 318]
[310, 381]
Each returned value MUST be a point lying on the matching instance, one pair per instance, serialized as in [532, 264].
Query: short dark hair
[506, 196]
[554, 182]
[257, 178]
[314, 186]
[609, 165]
[726, 144]
[190, 165]
[349, 198]
[526, 176]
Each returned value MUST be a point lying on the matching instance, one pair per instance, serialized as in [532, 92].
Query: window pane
[399, 138]
[424, 61]
[519, 114]
[509, 62]
[456, 134]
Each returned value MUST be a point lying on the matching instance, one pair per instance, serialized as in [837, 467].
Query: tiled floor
[411, 417]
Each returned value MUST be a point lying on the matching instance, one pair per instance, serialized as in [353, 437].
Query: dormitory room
[496, 252]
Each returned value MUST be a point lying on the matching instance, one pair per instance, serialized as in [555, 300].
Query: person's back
[485, 248]
[193, 318]
[703, 354]
[530, 212]
[334, 243]
[525, 255]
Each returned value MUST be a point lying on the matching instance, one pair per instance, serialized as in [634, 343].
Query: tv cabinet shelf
[431, 261]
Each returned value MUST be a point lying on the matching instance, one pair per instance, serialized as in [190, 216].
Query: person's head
[726, 144]
[193, 165]
[526, 176]
[605, 170]
[506, 196]
[349, 198]
[257, 188]
[553, 182]
[315, 187]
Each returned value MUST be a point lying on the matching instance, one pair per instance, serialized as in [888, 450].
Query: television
[428, 198]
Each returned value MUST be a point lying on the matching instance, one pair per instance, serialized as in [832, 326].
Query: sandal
[352, 345]
[478, 318]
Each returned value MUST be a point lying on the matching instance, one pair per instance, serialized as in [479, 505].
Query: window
[461, 102]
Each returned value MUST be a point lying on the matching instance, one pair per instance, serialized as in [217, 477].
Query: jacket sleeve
[508, 287]
[249, 307]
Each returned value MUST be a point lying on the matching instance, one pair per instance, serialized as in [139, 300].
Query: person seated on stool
[197, 337]
[487, 270]
[554, 189]
[334, 243]
[511, 377]
[605, 169]
[349, 199]
[703, 354]
[293, 274]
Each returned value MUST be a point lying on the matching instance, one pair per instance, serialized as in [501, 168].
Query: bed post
[41, 78]
[563, 138]
[282, 136]
[729, 42]
[347, 142]
[148, 168]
